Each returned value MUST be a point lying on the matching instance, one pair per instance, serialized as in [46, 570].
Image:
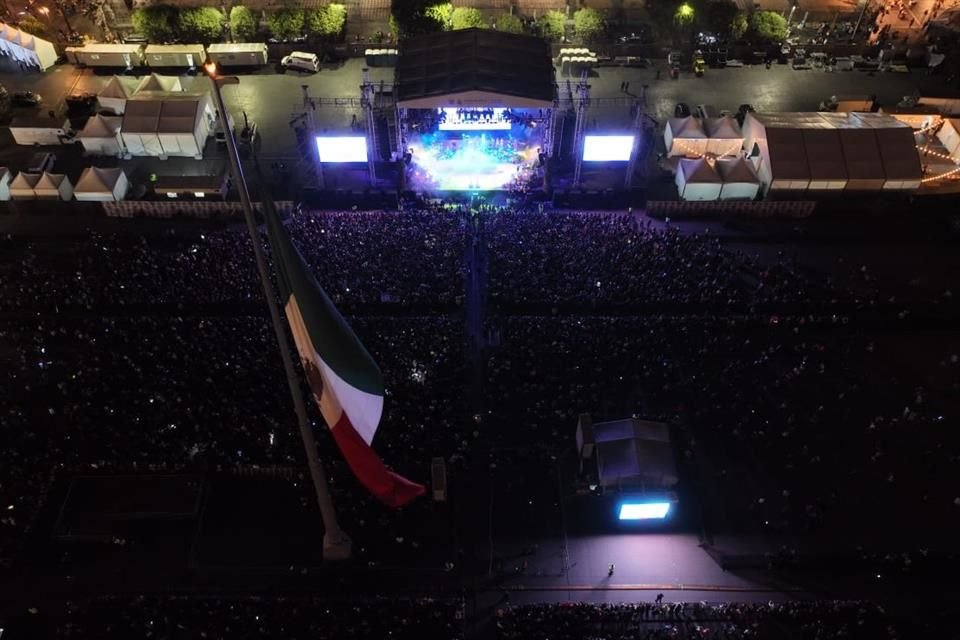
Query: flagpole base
[337, 546]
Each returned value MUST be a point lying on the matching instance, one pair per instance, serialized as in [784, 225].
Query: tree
[442, 14]
[769, 25]
[34, 27]
[415, 17]
[509, 23]
[738, 26]
[158, 22]
[552, 25]
[200, 24]
[326, 21]
[286, 23]
[467, 18]
[717, 17]
[243, 24]
[684, 15]
[587, 24]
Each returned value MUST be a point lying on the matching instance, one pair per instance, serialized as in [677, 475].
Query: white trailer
[106, 55]
[183, 56]
[238, 54]
[39, 131]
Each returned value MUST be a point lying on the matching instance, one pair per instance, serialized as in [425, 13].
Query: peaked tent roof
[699, 170]
[178, 116]
[114, 89]
[98, 180]
[724, 127]
[688, 127]
[50, 182]
[483, 67]
[156, 82]
[737, 170]
[101, 127]
[25, 181]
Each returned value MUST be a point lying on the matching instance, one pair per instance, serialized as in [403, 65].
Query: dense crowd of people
[176, 617]
[129, 351]
[813, 620]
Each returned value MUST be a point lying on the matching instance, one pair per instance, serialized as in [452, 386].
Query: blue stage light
[644, 510]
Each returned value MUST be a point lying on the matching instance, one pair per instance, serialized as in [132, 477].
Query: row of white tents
[96, 184]
[720, 179]
[26, 48]
[693, 137]
[155, 118]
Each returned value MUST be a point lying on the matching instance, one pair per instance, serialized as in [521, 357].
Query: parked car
[301, 61]
[734, 63]
[682, 110]
[135, 38]
[78, 101]
[40, 162]
[25, 99]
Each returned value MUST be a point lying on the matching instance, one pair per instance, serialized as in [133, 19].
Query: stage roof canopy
[475, 68]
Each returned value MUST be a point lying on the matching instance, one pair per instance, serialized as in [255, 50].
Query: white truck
[41, 131]
[106, 55]
[238, 54]
[181, 56]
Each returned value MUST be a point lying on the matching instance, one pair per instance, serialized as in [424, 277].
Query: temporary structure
[182, 128]
[862, 156]
[156, 84]
[25, 48]
[698, 180]
[949, 137]
[101, 185]
[740, 181]
[685, 137]
[114, 96]
[4, 183]
[53, 186]
[139, 128]
[724, 136]
[101, 136]
[902, 170]
[828, 171]
[22, 186]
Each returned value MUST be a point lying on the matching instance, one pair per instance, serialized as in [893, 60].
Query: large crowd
[129, 351]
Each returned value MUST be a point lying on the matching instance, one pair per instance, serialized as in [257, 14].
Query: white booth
[740, 181]
[139, 128]
[53, 186]
[22, 187]
[697, 180]
[724, 136]
[101, 136]
[25, 48]
[685, 137]
[114, 95]
[97, 184]
[4, 183]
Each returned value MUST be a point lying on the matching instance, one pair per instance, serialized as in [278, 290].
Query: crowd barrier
[182, 209]
[731, 208]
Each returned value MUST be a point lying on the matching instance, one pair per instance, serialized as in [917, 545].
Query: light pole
[336, 543]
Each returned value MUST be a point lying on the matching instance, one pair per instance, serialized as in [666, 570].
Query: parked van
[301, 61]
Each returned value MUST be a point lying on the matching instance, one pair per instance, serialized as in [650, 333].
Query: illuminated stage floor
[479, 160]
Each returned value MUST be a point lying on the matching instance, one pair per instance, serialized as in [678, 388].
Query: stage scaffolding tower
[310, 108]
[640, 112]
[368, 101]
[582, 105]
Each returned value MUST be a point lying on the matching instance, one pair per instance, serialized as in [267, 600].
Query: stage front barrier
[182, 209]
[731, 208]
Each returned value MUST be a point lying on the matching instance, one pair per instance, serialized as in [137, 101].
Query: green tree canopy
[467, 18]
[417, 17]
[738, 26]
[243, 24]
[588, 24]
[769, 25]
[158, 22]
[509, 23]
[684, 15]
[33, 26]
[442, 14]
[552, 25]
[200, 24]
[286, 23]
[327, 21]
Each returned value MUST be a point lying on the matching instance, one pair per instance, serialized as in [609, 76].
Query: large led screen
[607, 148]
[342, 149]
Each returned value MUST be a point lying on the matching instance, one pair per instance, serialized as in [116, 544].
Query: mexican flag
[346, 382]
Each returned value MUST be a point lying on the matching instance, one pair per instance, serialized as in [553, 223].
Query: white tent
[697, 180]
[23, 47]
[101, 185]
[4, 183]
[685, 137]
[724, 136]
[139, 128]
[183, 128]
[114, 96]
[949, 137]
[53, 186]
[101, 136]
[22, 186]
[155, 84]
[740, 181]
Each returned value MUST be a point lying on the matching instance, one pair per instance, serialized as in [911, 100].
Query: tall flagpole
[336, 543]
